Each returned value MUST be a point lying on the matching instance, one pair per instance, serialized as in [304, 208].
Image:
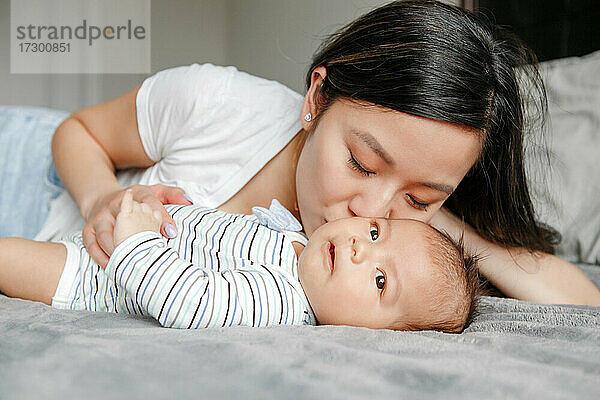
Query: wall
[192, 31]
[274, 39]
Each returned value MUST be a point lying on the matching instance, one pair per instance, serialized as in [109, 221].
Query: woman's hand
[98, 233]
[444, 220]
[521, 274]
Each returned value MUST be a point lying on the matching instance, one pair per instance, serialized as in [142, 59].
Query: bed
[512, 349]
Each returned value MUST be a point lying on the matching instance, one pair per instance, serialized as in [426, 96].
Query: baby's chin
[303, 276]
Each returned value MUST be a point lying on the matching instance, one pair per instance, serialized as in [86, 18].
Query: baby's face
[367, 272]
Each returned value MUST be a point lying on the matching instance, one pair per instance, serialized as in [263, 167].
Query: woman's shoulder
[198, 79]
[246, 86]
[229, 83]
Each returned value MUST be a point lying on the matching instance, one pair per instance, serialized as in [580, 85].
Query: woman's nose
[378, 205]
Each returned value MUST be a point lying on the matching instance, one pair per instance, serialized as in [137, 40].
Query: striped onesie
[221, 270]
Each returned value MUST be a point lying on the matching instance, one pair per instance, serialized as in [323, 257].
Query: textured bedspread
[513, 349]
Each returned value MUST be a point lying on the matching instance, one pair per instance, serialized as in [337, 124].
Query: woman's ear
[312, 97]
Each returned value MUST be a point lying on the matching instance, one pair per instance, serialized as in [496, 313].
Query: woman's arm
[88, 148]
[92, 143]
[537, 277]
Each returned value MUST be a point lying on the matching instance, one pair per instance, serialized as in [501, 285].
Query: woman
[412, 106]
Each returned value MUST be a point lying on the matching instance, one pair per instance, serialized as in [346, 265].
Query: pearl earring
[308, 117]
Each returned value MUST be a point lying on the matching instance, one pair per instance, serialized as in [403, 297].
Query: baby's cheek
[310, 279]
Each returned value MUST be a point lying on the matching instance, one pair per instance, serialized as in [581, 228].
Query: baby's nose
[357, 250]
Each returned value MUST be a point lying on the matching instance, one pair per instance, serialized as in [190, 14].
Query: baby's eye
[380, 280]
[374, 231]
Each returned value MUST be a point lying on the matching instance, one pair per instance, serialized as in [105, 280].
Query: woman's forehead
[383, 123]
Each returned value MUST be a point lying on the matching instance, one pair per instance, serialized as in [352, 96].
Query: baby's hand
[135, 217]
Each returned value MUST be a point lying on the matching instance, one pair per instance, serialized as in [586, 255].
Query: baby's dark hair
[459, 290]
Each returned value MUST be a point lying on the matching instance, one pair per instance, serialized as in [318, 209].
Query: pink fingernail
[188, 198]
[170, 231]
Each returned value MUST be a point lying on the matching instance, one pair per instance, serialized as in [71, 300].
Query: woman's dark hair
[441, 62]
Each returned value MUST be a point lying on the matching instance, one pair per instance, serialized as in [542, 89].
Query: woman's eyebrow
[440, 187]
[374, 145]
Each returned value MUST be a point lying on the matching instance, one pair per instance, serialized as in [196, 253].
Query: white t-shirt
[209, 129]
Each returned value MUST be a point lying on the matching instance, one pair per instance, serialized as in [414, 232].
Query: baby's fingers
[146, 208]
[127, 202]
[168, 225]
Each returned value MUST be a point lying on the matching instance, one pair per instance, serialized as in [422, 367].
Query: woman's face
[375, 162]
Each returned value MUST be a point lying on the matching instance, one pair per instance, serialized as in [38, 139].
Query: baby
[231, 269]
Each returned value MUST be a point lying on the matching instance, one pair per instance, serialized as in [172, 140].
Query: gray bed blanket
[513, 349]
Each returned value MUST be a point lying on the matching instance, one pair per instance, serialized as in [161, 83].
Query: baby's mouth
[331, 255]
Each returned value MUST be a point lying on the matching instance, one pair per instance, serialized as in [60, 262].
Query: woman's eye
[417, 204]
[374, 231]
[380, 280]
[355, 165]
